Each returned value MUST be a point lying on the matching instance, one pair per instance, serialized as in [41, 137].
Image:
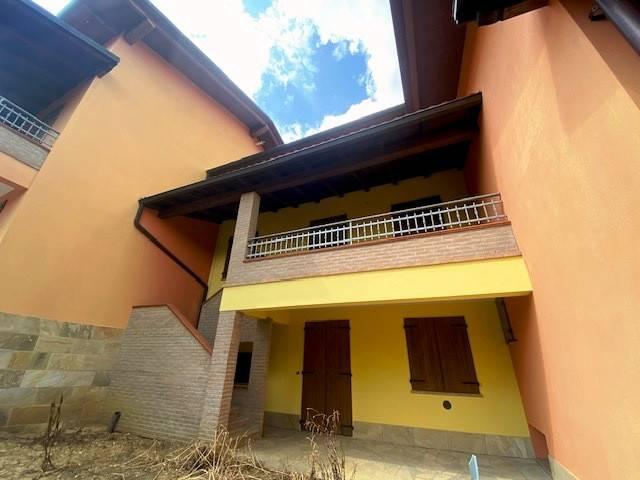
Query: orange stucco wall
[561, 140]
[192, 241]
[72, 252]
[15, 173]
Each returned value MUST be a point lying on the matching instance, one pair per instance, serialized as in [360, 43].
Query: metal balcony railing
[452, 215]
[26, 124]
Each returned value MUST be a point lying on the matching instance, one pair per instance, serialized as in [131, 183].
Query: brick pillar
[258, 373]
[246, 225]
[217, 399]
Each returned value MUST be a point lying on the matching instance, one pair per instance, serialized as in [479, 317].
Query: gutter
[172, 256]
[625, 15]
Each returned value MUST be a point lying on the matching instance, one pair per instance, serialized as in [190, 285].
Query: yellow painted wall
[72, 252]
[380, 368]
[500, 277]
[450, 185]
[217, 265]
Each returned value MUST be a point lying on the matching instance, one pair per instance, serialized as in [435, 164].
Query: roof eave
[109, 59]
[229, 95]
[461, 104]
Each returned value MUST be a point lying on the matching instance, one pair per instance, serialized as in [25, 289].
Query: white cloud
[227, 34]
[280, 42]
[54, 6]
[293, 131]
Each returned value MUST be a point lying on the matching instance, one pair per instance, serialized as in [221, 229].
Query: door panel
[313, 370]
[326, 385]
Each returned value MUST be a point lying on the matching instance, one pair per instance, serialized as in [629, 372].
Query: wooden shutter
[456, 359]
[338, 373]
[424, 363]
[313, 370]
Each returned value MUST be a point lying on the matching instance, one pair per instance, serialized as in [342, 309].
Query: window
[318, 239]
[227, 258]
[440, 357]
[243, 364]
[406, 224]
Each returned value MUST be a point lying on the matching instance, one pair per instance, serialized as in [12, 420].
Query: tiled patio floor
[382, 461]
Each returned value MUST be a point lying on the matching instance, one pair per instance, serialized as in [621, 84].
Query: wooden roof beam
[424, 144]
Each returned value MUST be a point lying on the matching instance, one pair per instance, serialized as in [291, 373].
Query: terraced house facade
[457, 272]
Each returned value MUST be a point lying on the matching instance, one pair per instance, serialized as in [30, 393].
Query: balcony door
[327, 236]
[417, 221]
[326, 374]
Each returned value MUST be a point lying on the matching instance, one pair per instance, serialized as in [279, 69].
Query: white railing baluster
[446, 215]
[26, 124]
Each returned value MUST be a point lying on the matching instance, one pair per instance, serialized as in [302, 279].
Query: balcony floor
[382, 461]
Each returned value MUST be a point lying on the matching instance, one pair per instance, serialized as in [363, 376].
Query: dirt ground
[88, 453]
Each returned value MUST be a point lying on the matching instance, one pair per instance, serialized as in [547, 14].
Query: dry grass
[225, 458]
[326, 460]
[51, 436]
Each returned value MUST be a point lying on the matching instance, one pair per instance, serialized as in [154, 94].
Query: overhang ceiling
[415, 144]
[42, 58]
[430, 47]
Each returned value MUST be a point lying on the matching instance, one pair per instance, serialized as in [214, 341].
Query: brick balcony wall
[466, 244]
[23, 150]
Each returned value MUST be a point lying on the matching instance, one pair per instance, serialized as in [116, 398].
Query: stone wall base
[43, 359]
[477, 443]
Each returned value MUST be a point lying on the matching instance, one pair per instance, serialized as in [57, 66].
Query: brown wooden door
[326, 374]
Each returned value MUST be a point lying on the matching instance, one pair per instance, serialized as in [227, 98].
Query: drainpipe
[172, 256]
[625, 15]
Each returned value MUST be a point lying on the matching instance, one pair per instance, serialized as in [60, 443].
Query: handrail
[480, 209]
[26, 124]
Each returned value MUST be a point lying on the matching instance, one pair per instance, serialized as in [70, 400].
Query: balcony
[23, 136]
[468, 229]
[428, 219]
[461, 249]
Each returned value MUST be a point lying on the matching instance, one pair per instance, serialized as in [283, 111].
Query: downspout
[625, 15]
[172, 256]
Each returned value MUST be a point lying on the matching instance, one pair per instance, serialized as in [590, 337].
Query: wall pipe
[172, 256]
[625, 15]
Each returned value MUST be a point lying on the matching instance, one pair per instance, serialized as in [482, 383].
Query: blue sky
[310, 65]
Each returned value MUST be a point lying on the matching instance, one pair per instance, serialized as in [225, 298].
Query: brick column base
[217, 399]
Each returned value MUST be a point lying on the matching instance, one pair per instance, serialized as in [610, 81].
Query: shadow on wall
[191, 242]
[528, 363]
